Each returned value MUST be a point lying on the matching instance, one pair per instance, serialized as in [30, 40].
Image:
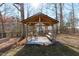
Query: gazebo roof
[39, 17]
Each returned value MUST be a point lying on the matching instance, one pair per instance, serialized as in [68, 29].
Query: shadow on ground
[57, 49]
[5, 50]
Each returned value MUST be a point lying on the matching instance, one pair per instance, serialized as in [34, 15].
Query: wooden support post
[52, 31]
[46, 29]
[39, 24]
[27, 30]
[33, 30]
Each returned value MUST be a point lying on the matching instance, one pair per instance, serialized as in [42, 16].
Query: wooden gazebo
[39, 20]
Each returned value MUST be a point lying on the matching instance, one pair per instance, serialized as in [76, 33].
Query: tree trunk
[61, 18]
[2, 22]
[27, 10]
[56, 18]
[73, 22]
[22, 18]
[2, 25]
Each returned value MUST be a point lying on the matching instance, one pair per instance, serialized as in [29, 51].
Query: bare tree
[27, 10]
[61, 18]
[1, 4]
[21, 9]
[73, 19]
[1, 18]
[56, 17]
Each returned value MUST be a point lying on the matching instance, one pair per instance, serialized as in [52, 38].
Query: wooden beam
[37, 22]
[27, 30]
[46, 29]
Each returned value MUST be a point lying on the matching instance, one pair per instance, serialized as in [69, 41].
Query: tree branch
[1, 4]
[16, 7]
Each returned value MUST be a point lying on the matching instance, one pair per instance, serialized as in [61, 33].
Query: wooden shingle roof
[39, 17]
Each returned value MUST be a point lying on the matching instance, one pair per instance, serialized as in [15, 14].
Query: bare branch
[17, 3]
[16, 7]
[1, 4]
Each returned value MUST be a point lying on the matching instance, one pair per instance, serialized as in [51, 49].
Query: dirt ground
[70, 40]
[68, 45]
